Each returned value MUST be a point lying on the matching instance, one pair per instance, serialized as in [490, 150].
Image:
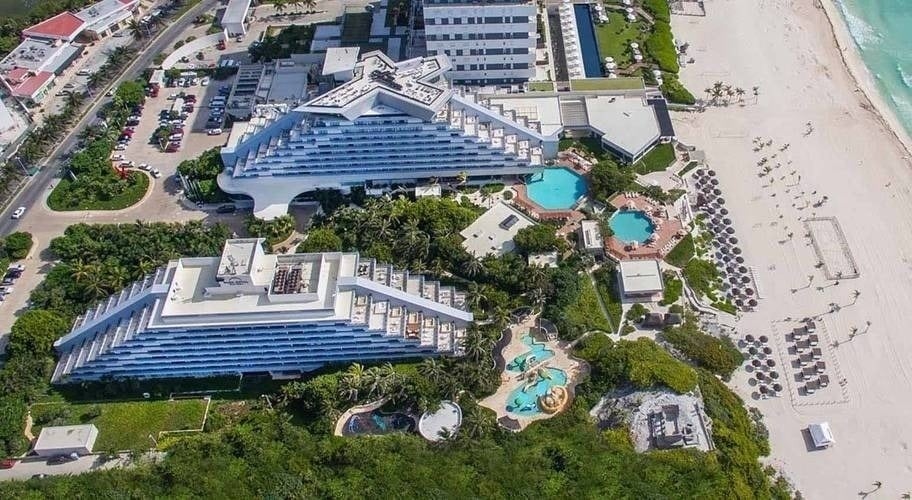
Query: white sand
[788, 50]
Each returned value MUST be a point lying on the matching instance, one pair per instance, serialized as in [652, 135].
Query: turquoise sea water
[882, 30]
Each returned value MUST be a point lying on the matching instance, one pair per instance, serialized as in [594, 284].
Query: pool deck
[509, 381]
[575, 163]
[370, 406]
[669, 230]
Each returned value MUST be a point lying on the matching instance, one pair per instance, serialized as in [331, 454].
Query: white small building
[640, 279]
[104, 17]
[492, 233]
[821, 435]
[590, 238]
[66, 440]
[340, 63]
[234, 20]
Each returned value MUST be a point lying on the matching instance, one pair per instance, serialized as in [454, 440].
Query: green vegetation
[657, 160]
[681, 254]
[674, 287]
[606, 282]
[16, 246]
[93, 183]
[718, 355]
[623, 83]
[397, 13]
[675, 91]
[658, 9]
[615, 36]
[275, 231]
[494, 187]
[320, 240]
[124, 425]
[589, 145]
[294, 39]
[201, 174]
[35, 332]
[687, 168]
[641, 362]
[573, 304]
[71, 195]
[660, 48]
[607, 178]
[701, 275]
[636, 313]
[541, 86]
[538, 239]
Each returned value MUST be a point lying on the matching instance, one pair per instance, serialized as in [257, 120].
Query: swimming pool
[592, 64]
[556, 188]
[377, 422]
[536, 354]
[523, 400]
[631, 226]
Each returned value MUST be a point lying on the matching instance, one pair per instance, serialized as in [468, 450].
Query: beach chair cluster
[809, 361]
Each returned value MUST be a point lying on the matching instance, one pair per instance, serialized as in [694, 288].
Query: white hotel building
[490, 42]
[390, 123]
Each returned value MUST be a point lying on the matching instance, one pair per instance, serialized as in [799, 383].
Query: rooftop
[30, 84]
[64, 26]
[379, 80]
[493, 231]
[66, 436]
[591, 234]
[236, 11]
[641, 276]
[32, 54]
[100, 15]
[626, 122]
[339, 59]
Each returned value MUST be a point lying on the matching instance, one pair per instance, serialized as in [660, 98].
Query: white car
[18, 212]
[144, 166]
[204, 81]
[214, 131]
[155, 173]
[117, 157]
[120, 147]
[6, 290]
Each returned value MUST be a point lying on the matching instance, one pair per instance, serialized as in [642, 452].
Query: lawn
[656, 160]
[623, 83]
[681, 254]
[124, 426]
[614, 38]
[687, 168]
[541, 86]
[607, 286]
[673, 289]
[65, 197]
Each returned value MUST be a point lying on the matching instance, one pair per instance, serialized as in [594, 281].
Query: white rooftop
[492, 233]
[100, 15]
[591, 235]
[629, 123]
[446, 420]
[641, 276]
[236, 11]
[66, 437]
[339, 59]
[546, 110]
[408, 86]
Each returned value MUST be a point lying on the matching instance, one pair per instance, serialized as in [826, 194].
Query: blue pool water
[377, 422]
[524, 399]
[631, 225]
[556, 188]
[588, 44]
[536, 354]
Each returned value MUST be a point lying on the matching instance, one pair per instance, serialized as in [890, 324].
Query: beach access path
[849, 154]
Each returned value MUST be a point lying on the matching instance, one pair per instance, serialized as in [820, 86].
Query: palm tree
[740, 92]
[476, 423]
[432, 369]
[855, 295]
[473, 266]
[476, 345]
[476, 295]
[137, 29]
[115, 278]
[74, 100]
[80, 271]
[352, 381]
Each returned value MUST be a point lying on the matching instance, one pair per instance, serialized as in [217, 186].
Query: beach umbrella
[729, 229]
[760, 376]
[717, 191]
[763, 338]
[739, 302]
[736, 250]
[724, 250]
[752, 351]
[748, 338]
[631, 17]
[739, 259]
[763, 389]
[752, 302]
[777, 387]
[720, 200]
[629, 10]
[748, 291]
[726, 258]
[724, 211]
[727, 221]
[733, 240]
[638, 57]
[711, 173]
[756, 363]
[733, 280]
[742, 269]
[700, 172]
[708, 209]
[767, 350]
[745, 279]
[771, 362]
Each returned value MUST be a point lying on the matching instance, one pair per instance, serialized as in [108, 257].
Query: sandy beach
[849, 162]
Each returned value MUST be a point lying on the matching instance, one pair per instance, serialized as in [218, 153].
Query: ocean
[882, 30]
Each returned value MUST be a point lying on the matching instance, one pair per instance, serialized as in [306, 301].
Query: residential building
[393, 123]
[590, 238]
[489, 43]
[234, 20]
[250, 312]
[640, 279]
[66, 440]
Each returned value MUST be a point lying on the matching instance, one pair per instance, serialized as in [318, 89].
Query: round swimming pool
[631, 226]
[556, 188]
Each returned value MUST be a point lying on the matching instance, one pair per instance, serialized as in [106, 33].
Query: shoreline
[865, 83]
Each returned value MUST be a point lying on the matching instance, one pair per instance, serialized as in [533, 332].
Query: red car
[7, 463]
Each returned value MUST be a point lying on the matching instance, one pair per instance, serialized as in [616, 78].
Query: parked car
[6, 290]
[120, 147]
[18, 212]
[155, 173]
[144, 166]
[62, 459]
[39, 476]
[117, 157]
[214, 131]
[7, 463]
[226, 209]
[127, 164]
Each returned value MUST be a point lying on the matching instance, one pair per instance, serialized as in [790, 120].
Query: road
[35, 190]
[31, 466]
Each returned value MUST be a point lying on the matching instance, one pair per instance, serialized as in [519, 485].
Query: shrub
[659, 10]
[660, 47]
[627, 329]
[675, 91]
[536, 239]
[508, 195]
[636, 312]
[321, 240]
[681, 254]
[642, 362]
[718, 355]
[674, 287]
[18, 244]
[35, 332]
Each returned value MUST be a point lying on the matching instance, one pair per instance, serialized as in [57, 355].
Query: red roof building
[30, 86]
[63, 26]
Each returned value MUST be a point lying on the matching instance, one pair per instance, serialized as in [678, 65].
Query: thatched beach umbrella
[777, 387]
[752, 302]
[711, 173]
[748, 291]
[714, 182]
[763, 339]
[733, 240]
[767, 350]
[727, 221]
[745, 279]
[771, 363]
[749, 338]
[739, 259]
[742, 269]
[717, 191]
[752, 351]
[723, 211]
[736, 250]
[720, 200]
[756, 363]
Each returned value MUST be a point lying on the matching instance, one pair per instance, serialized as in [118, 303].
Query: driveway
[28, 467]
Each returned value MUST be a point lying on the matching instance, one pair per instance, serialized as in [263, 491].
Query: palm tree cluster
[722, 93]
[98, 260]
[275, 230]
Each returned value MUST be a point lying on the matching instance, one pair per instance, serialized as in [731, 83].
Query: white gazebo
[442, 423]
